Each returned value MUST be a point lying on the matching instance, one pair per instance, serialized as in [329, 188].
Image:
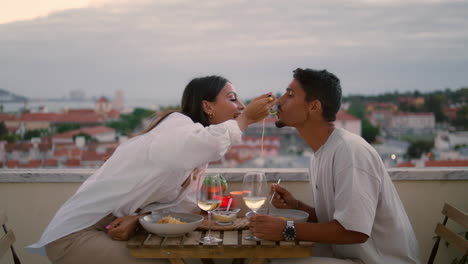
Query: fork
[272, 196]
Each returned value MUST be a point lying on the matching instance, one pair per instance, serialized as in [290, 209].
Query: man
[356, 207]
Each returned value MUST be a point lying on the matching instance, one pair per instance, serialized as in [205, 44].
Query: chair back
[448, 235]
[7, 240]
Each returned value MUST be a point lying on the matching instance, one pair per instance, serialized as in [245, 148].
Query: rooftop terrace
[31, 197]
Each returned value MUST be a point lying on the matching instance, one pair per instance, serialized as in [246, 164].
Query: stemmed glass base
[253, 238]
[210, 240]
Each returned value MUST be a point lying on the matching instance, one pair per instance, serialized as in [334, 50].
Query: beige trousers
[92, 245]
[322, 254]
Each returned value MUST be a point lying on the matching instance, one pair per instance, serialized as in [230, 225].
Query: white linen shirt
[147, 168]
[351, 185]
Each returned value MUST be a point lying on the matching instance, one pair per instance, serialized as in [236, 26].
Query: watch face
[289, 232]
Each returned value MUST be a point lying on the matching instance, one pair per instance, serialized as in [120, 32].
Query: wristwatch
[289, 232]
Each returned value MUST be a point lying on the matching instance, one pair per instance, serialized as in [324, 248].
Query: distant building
[380, 118]
[118, 102]
[450, 112]
[77, 95]
[348, 122]
[410, 120]
[416, 101]
[100, 133]
[388, 107]
[103, 106]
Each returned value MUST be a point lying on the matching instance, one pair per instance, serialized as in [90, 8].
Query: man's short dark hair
[323, 86]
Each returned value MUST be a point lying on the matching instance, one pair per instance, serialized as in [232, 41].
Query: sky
[152, 49]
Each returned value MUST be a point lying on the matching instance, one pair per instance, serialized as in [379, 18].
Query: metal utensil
[272, 196]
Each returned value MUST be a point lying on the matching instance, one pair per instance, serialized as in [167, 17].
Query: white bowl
[150, 224]
[287, 214]
[223, 217]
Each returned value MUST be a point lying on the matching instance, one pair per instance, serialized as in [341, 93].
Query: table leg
[237, 261]
[177, 261]
[256, 261]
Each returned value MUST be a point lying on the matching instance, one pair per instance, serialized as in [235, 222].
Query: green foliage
[419, 147]
[461, 121]
[10, 138]
[129, 122]
[3, 129]
[369, 132]
[357, 109]
[67, 127]
[88, 137]
[35, 133]
[435, 103]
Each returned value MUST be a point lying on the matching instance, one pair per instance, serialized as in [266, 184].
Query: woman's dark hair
[197, 90]
[323, 86]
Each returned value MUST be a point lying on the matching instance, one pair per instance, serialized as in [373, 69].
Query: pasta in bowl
[170, 224]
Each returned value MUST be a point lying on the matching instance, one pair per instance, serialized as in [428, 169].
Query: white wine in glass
[254, 192]
[209, 197]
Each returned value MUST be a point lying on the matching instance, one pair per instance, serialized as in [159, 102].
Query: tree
[3, 129]
[461, 121]
[419, 147]
[358, 110]
[129, 122]
[67, 127]
[369, 132]
[435, 103]
[35, 133]
[88, 137]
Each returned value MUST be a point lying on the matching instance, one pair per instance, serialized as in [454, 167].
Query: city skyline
[152, 49]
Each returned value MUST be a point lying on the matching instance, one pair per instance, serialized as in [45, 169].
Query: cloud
[152, 48]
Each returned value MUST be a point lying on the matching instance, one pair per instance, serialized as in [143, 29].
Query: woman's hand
[283, 198]
[267, 227]
[258, 109]
[123, 228]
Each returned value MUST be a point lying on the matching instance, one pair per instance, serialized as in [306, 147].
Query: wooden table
[144, 245]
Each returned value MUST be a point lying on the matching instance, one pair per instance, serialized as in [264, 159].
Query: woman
[157, 167]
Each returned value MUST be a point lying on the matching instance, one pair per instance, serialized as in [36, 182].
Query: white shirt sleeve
[356, 199]
[179, 142]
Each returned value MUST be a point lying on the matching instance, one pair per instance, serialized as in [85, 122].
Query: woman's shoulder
[173, 120]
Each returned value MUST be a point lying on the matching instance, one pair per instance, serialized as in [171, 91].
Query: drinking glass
[209, 197]
[254, 192]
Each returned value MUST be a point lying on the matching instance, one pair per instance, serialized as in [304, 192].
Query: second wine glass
[254, 191]
[209, 197]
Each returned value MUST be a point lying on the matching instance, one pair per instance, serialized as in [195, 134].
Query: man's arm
[309, 209]
[271, 228]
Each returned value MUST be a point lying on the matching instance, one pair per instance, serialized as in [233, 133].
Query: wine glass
[254, 192]
[209, 197]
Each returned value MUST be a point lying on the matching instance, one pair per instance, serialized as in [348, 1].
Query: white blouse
[145, 169]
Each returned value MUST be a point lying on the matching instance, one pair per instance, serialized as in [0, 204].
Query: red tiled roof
[80, 111]
[446, 163]
[72, 163]
[342, 115]
[9, 147]
[49, 117]
[6, 117]
[12, 164]
[103, 100]
[87, 130]
[413, 114]
[405, 164]
[50, 163]
[80, 118]
[93, 156]
[32, 164]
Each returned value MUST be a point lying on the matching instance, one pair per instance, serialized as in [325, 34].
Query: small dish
[223, 217]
